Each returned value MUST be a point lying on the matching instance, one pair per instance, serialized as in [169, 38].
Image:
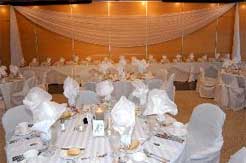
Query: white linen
[123, 117]
[8, 88]
[104, 88]
[57, 74]
[133, 34]
[236, 48]
[71, 90]
[14, 116]
[46, 114]
[14, 70]
[35, 97]
[205, 139]
[159, 103]
[239, 156]
[141, 91]
[15, 41]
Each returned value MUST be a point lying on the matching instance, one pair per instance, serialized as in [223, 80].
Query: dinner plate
[64, 155]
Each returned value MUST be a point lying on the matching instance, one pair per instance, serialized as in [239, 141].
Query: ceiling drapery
[124, 31]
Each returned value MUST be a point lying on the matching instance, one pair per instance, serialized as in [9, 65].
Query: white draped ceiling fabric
[124, 31]
[236, 51]
[15, 43]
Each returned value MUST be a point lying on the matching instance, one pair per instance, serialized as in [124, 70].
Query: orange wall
[53, 45]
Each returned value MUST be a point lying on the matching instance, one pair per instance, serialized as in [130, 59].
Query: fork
[154, 156]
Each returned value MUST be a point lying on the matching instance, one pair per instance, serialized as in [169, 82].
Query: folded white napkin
[159, 103]
[227, 63]
[104, 88]
[121, 71]
[71, 90]
[105, 66]
[3, 72]
[35, 97]
[123, 116]
[46, 114]
[122, 61]
[13, 69]
[141, 91]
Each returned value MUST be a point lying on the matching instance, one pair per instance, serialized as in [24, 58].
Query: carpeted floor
[234, 131]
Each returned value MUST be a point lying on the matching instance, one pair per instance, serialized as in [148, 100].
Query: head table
[57, 74]
[97, 149]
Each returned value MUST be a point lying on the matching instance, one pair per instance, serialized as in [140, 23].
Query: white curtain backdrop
[15, 43]
[124, 31]
[236, 52]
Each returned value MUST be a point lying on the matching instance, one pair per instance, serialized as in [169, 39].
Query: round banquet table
[94, 146]
[9, 87]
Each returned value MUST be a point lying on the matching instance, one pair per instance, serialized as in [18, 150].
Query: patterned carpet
[234, 131]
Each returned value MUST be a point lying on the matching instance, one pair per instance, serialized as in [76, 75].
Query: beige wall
[53, 45]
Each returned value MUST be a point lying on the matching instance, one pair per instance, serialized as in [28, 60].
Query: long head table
[56, 74]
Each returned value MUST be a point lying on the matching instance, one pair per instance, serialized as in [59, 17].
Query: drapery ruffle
[123, 31]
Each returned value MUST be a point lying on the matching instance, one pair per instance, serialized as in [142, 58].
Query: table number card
[98, 128]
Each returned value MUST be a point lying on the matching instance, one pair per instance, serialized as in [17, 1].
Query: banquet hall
[121, 81]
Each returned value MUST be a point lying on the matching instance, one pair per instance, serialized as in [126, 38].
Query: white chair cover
[239, 156]
[206, 85]
[122, 88]
[13, 117]
[169, 87]
[229, 95]
[204, 140]
[87, 97]
[90, 86]
[28, 74]
[18, 97]
[153, 83]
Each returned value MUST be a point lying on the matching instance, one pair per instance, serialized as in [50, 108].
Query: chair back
[13, 117]
[169, 87]
[122, 88]
[87, 97]
[205, 127]
[239, 156]
[153, 83]
[90, 86]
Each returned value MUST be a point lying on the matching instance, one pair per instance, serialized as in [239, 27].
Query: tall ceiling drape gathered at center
[123, 31]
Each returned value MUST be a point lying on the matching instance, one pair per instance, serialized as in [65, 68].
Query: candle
[99, 114]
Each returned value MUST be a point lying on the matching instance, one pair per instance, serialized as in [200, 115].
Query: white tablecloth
[56, 74]
[97, 145]
[10, 87]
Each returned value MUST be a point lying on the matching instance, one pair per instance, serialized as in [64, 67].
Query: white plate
[64, 155]
[177, 129]
[138, 157]
[19, 133]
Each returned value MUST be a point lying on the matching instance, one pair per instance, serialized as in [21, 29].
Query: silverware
[156, 157]
[170, 137]
[103, 155]
[69, 148]
[146, 140]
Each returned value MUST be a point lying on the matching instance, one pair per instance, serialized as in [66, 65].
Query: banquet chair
[17, 97]
[90, 86]
[169, 87]
[228, 94]
[28, 74]
[153, 83]
[239, 156]
[206, 85]
[204, 139]
[13, 117]
[87, 97]
[121, 88]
